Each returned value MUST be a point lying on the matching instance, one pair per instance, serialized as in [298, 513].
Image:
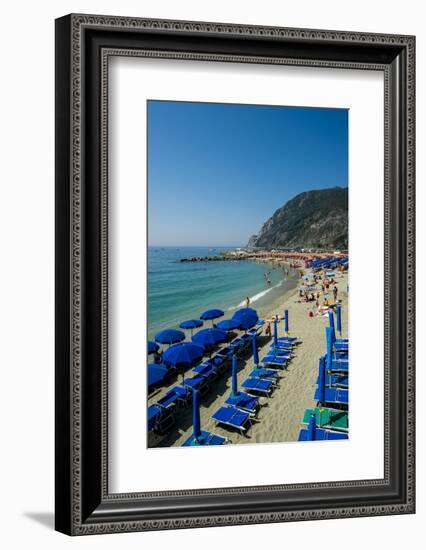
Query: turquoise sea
[180, 291]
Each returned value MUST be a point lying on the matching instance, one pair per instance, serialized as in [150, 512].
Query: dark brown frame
[84, 44]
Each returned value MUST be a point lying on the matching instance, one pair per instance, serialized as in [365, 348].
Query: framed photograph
[234, 274]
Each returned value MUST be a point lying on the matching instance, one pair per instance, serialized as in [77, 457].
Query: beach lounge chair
[290, 339]
[176, 396]
[234, 418]
[328, 418]
[315, 433]
[244, 401]
[258, 385]
[274, 361]
[332, 396]
[321, 435]
[279, 352]
[341, 346]
[262, 372]
[208, 370]
[196, 382]
[160, 419]
[225, 353]
[205, 439]
[337, 380]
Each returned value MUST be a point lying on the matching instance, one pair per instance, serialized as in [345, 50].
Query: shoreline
[279, 419]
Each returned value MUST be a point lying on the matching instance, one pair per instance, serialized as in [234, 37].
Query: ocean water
[180, 291]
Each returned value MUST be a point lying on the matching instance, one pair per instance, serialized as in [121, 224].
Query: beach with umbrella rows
[252, 377]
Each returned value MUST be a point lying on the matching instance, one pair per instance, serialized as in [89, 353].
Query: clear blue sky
[216, 172]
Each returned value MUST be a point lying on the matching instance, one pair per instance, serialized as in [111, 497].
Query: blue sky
[216, 172]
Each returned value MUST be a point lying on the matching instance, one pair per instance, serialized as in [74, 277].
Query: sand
[279, 417]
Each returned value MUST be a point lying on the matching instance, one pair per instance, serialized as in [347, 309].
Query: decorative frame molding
[84, 43]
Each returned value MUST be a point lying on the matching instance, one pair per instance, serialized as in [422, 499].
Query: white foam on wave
[257, 296]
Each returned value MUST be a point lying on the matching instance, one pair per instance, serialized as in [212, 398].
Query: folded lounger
[206, 439]
[259, 385]
[244, 401]
[261, 372]
[328, 418]
[321, 435]
[233, 417]
[160, 419]
[333, 395]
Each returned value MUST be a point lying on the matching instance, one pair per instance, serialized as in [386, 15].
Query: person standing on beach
[268, 328]
[335, 292]
[247, 301]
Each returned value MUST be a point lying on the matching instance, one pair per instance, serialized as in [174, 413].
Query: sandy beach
[280, 415]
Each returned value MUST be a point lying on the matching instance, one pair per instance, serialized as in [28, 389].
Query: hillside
[313, 219]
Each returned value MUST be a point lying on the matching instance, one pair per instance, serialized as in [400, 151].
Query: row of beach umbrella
[181, 355]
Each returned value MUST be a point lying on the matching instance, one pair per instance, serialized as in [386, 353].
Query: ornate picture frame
[84, 44]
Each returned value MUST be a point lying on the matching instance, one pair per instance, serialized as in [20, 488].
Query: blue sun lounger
[341, 356]
[332, 396]
[208, 370]
[244, 401]
[261, 372]
[280, 352]
[196, 382]
[177, 395]
[339, 367]
[258, 385]
[226, 352]
[337, 380]
[160, 419]
[233, 417]
[321, 435]
[274, 361]
[206, 439]
[341, 347]
[291, 339]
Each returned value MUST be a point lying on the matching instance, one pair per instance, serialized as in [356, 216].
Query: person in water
[247, 301]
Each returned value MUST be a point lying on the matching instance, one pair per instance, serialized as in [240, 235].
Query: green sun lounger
[328, 418]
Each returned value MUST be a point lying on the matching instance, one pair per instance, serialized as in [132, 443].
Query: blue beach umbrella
[321, 380]
[196, 422]
[183, 355]
[339, 319]
[191, 324]
[200, 437]
[245, 311]
[228, 324]
[331, 319]
[152, 347]
[170, 336]
[286, 322]
[329, 332]
[275, 333]
[234, 376]
[156, 374]
[209, 337]
[247, 317]
[211, 314]
[312, 428]
[255, 351]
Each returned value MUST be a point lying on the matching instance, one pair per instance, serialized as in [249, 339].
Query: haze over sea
[179, 291]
